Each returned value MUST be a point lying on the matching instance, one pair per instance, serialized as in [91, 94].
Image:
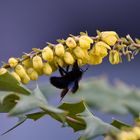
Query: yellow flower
[68, 58]
[25, 79]
[3, 71]
[123, 136]
[58, 61]
[19, 69]
[27, 63]
[59, 50]
[71, 43]
[16, 76]
[100, 49]
[95, 59]
[12, 62]
[109, 37]
[136, 131]
[47, 54]
[85, 41]
[114, 57]
[32, 74]
[37, 62]
[47, 69]
[79, 52]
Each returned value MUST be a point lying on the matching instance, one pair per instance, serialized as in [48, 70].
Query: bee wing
[59, 82]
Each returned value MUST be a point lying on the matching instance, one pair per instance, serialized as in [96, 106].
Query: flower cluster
[84, 49]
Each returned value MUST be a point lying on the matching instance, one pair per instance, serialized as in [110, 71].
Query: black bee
[69, 80]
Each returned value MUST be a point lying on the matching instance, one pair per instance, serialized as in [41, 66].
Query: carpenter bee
[69, 80]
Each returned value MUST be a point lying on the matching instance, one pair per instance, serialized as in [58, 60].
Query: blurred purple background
[25, 24]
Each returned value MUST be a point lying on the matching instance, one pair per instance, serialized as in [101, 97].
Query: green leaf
[118, 124]
[80, 118]
[36, 116]
[20, 105]
[72, 118]
[94, 126]
[9, 83]
[7, 101]
[99, 93]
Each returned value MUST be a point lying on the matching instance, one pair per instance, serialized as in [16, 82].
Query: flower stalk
[85, 49]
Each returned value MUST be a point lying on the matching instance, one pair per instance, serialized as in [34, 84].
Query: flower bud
[47, 54]
[71, 43]
[25, 79]
[32, 74]
[85, 41]
[47, 69]
[27, 63]
[68, 58]
[79, 53]
[109, 37]
[16, 76]
[12, 62]
[59, 50]
[114, 57]
[3, 71]
[37, 62]
[100, 49]
[136, 131]
[19, 69]
[58, 61]
[123, 136]
[95, 59]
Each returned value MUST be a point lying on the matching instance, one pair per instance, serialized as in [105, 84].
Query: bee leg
[63, 93]
[75, 66]
[75, 87]
[62, 71]
[67, 68]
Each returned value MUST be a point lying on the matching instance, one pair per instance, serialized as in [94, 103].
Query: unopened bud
[37, 62]
[32, 74]
[16, 76]
[12, 62]
[47, 69]
[3, 71]
[59, 50]
[68, 58]
[79, 52]
[109, 37]
[100, 49]
[25, 79]
[71, 43]
[47, 54]
[19, 69]
[95, 59]
[85, 41]
[27, 63]
[114, 57]
[58, 61]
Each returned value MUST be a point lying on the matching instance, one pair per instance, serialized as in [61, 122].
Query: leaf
[94, 126]
[20, 105]
[73, 119]
[118, 124]
[36, 116]
[85, 120]
[9, 83]
[119, 98]
[7, 101]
